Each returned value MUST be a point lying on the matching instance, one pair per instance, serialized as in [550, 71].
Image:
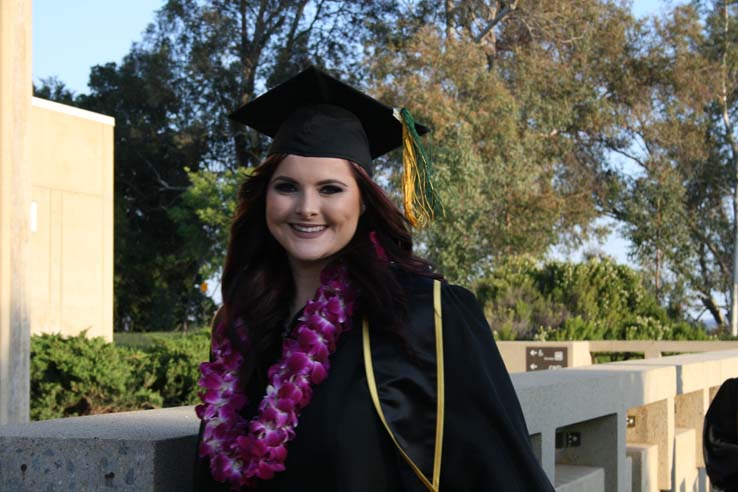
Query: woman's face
[312, 208]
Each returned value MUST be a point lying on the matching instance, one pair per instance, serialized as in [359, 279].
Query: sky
[69, 37]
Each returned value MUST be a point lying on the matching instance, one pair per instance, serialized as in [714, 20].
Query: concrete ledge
[579, 479]
[657, 347]
[73, 111]
[552, 399]
[579, 352]
[695, 371]
[151, 450]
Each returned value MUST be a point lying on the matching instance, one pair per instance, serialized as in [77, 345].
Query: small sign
[542, 358]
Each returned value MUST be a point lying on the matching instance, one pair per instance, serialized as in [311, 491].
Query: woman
[720, 438]
[340, 361]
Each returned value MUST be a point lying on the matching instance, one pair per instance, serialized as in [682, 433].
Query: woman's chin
[310, 261]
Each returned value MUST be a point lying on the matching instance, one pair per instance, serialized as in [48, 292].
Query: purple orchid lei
[241, 450]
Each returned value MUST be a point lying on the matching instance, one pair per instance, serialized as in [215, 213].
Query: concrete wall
[579, 353]
[146, 451]
[15, 197]
[655, 348]
[664, 399]
[71, 220]
[589, 408]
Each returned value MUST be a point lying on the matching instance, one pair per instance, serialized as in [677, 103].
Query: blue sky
[71, 36]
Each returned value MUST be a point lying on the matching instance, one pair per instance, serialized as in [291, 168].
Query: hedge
[81, 376]
[594, 300]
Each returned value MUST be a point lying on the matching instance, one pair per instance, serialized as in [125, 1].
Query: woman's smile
[307, 230]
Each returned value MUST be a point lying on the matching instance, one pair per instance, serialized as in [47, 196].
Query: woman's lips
[307, 231]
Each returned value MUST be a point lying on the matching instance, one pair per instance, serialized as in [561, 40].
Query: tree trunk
[657, 279]
[714, 309]
[449, 13]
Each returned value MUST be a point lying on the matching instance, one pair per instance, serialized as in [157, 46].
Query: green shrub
[81, 376]
[172, 367]
[596, 299]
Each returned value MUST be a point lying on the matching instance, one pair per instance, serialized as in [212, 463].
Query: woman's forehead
[314, 169]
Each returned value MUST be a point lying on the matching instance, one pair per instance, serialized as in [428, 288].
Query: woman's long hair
[257, 285]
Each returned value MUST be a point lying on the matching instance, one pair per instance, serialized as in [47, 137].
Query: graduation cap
[314, 114]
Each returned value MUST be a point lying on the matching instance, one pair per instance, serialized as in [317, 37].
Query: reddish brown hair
[257, 284]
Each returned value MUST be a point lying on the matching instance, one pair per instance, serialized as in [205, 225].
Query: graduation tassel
[420, 200]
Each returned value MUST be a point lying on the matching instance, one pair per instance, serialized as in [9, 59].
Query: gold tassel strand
[420, 200]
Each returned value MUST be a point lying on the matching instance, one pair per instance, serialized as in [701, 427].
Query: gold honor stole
[431, 485]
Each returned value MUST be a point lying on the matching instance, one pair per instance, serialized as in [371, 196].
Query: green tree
[156, 267]
[54, 89]
[516, 93]
[676, 195]
[226, 52]
[211, 199]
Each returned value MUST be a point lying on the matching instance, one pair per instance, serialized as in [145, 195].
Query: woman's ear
[363, 207]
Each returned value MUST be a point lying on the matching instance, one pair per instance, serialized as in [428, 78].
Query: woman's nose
[307, 205]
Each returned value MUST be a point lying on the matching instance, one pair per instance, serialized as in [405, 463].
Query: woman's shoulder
[412, 282]
[461, 313]
[416, 285]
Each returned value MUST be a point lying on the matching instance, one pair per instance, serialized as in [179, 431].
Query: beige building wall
[71, 221]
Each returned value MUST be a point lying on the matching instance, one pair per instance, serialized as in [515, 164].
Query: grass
[141, 340]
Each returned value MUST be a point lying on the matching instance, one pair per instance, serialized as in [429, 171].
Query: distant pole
[15, 200]
[730, 137]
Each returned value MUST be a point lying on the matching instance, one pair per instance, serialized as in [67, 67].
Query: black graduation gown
[720, 437]
[342, 446]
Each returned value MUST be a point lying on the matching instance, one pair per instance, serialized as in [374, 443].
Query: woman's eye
[330, 189]
[285, 187]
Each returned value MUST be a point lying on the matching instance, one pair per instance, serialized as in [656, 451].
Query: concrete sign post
[15, 201]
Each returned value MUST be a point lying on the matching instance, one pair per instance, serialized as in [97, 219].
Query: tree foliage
[206, 208]
[674, 190]
[226, 52]
[546, 115]
[593, 300]
[516, 96]
[157, 261]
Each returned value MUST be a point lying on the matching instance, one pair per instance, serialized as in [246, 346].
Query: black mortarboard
[314, 114]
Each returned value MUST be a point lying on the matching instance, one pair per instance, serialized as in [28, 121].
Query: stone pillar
[15, 200]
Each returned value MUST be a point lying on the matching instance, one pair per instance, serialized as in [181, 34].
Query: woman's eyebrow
[331, 181]
[319, 183]
[284, 178]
